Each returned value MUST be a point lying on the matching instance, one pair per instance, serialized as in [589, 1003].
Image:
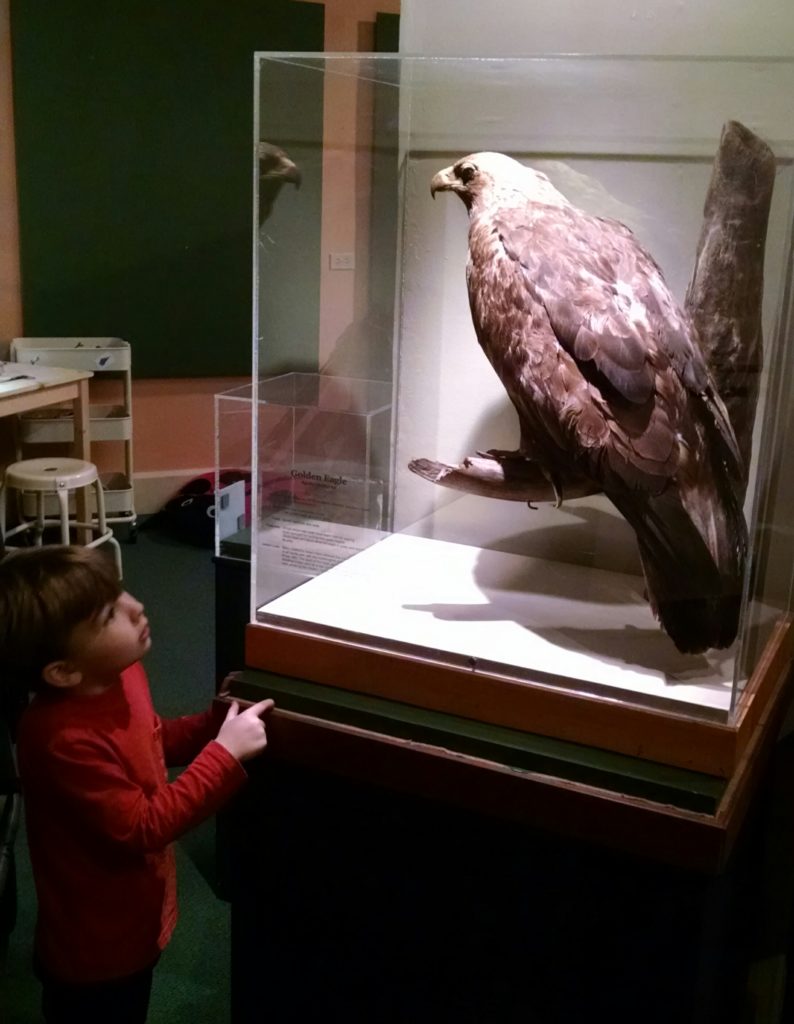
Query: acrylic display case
[233, 457]
[366, 574]
[323, 458]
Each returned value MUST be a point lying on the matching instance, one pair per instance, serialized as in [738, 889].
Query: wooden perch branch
[725, 293]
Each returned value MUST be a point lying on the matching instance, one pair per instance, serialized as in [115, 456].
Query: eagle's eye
[466, 172]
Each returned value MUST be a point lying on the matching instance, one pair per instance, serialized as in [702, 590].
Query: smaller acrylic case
[323, 446]
[233, 431]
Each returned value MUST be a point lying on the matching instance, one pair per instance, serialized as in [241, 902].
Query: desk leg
[82, 450]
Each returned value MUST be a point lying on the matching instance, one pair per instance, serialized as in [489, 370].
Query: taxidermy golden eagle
[610, 386]
[275, 169]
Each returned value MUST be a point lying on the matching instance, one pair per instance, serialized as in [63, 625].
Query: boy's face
[103, 647]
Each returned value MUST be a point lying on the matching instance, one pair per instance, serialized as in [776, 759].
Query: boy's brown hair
[44, 594]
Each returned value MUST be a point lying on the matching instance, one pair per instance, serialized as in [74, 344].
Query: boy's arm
[184, 737]
[114, 806]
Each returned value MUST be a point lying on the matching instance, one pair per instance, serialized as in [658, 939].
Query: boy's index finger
[257, 707]
[262, 707]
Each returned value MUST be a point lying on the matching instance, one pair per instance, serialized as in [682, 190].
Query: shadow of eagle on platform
[606, 374]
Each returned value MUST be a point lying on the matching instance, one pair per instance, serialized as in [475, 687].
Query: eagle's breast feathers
[556, 308]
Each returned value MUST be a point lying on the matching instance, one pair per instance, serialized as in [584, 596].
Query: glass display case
[233, 473]
[398, 548]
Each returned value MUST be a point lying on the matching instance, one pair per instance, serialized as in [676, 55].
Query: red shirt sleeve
[184, 737]
[111, 803]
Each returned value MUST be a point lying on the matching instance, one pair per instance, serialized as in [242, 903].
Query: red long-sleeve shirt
[101, 816]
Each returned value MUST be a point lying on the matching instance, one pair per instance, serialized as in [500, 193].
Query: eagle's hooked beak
[444, 181]
[289, 172]
[275, 165]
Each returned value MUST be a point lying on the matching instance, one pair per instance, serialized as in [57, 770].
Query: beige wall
[349, 28]
[173, 419]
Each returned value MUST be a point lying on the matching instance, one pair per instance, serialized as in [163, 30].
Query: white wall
[575, 119]
[629, 139]
[523, 27]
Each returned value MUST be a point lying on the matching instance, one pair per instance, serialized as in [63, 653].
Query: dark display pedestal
[358, 901]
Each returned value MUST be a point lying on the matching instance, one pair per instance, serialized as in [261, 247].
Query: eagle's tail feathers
[695, 592]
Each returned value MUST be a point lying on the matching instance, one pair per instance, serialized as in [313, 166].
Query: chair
[58, 476]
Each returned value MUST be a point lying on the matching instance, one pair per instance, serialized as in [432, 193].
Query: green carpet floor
[191, 986]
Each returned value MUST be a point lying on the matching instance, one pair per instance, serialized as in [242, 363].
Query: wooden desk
[53, 386]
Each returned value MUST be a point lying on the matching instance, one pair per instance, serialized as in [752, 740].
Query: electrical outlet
[342, 261]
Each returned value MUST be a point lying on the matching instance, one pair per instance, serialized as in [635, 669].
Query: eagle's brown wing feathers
[608, 306]
[604, 371]
[612, 392]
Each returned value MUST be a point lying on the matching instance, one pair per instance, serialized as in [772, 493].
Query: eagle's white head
[495, 179]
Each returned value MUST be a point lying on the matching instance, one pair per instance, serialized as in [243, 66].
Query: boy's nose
[134, 605]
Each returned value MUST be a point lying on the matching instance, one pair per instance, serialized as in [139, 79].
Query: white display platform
[579, 627]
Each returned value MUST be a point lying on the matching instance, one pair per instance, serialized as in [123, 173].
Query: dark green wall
[133, 124]
[387, 33]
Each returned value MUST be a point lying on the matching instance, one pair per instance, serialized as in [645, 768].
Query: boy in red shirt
[101, 814]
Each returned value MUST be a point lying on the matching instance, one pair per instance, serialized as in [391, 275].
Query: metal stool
[57, 476]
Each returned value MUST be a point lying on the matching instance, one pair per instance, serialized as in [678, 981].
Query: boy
[101, 815]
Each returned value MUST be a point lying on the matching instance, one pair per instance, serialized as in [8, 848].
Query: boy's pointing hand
[243, 732]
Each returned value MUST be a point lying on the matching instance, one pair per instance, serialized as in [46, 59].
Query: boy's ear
[61, 674]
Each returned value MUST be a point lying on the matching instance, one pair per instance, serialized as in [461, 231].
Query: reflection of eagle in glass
[275, 168]
[608, 380]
